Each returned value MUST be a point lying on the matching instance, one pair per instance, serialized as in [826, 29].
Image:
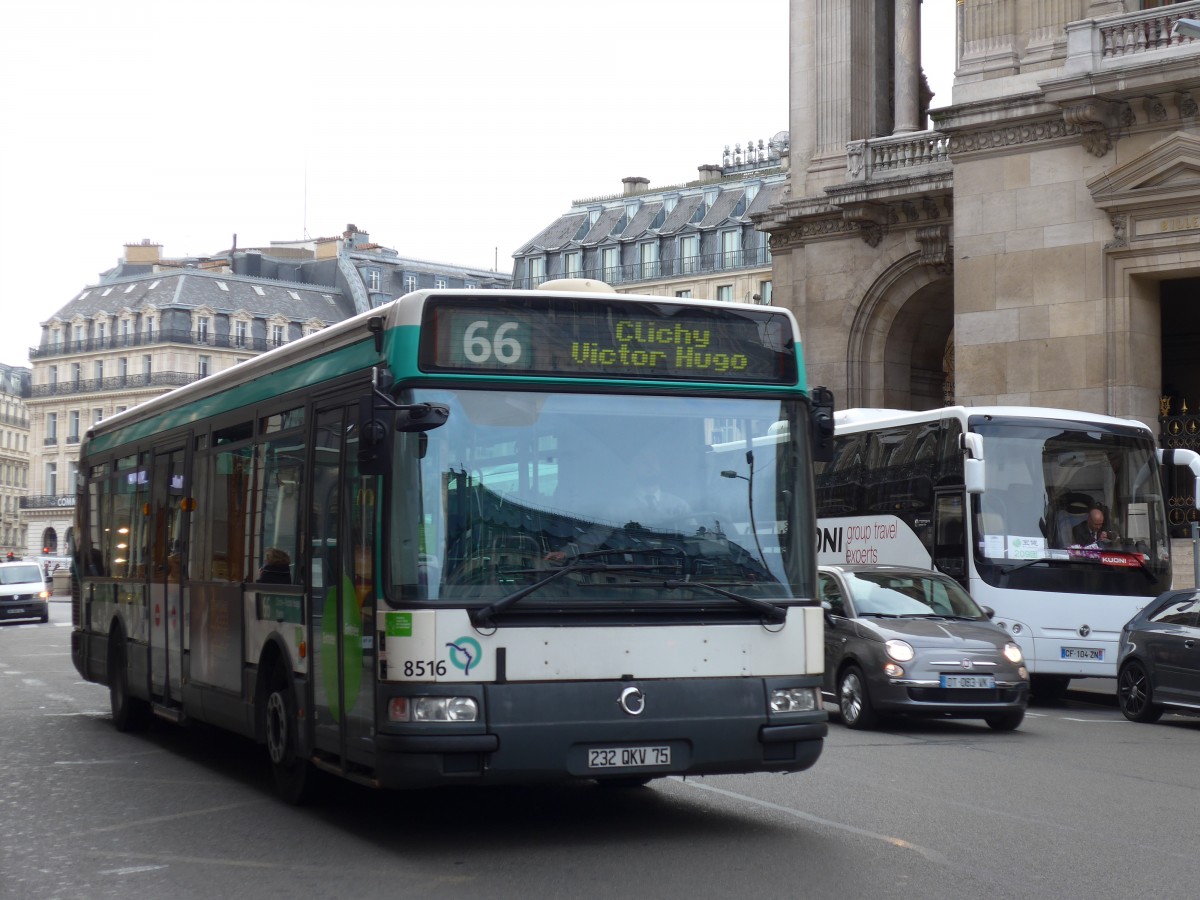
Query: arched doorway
[50, 542]
[900, 352]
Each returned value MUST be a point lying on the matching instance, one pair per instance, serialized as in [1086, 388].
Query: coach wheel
[129, 713]
[294, 776]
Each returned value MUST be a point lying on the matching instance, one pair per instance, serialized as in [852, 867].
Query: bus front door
[168, 555]
[949, 536]
[342, 577]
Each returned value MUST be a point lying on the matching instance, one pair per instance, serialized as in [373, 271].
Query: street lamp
[1188, 28]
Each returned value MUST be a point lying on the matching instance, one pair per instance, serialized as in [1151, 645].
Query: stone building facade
[1040, 245]
[14, 457]
[153, 323]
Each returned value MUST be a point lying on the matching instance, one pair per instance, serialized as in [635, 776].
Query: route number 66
[480, 347]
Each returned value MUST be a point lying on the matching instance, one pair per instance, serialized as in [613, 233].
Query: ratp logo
[465, 653]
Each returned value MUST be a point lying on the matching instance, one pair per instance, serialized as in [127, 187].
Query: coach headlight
[445, 709]
[789, 700]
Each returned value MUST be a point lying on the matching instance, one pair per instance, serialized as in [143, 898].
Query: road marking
[130, 870]
[157, 820]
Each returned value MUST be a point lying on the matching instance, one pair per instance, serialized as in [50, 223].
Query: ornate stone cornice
[1098, 120]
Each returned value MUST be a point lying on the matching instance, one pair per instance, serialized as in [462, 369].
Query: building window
[97, 415]
[124, 328]
[203, 365]
[102, 331]
[689, 254]
[731, 246]
[52, 428]
[372, 279]
[202, 329]
[610, 264]
[725, 293]
[150, 327]
[277, 337]
[471, 286]
[51, 478]
[410, 283]
[537, 270]
[764, 293]
[78, 334]
[440, 284]
[239, 334]
[53, 375]
[684, 295]
[648, 256]
[147, 365]
[573, 264]
[99, 369]
[123, 367]
[76, 372]
[73, 427]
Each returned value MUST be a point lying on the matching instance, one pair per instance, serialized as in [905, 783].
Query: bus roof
[858, 418]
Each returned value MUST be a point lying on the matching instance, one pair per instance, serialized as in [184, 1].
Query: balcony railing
[1095, 45]
[154, 338]
[709, 264]
[114, 383]
[895, 155]
[47, 501]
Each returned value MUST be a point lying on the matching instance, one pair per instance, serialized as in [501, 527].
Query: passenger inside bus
[276, 567]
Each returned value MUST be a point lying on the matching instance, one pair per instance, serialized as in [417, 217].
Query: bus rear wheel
[129, 713]
[294, 776]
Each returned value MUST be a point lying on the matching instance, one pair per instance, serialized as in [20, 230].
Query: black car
[912, 641]
[1158, 658]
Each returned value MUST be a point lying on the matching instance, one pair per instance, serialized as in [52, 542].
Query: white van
[24, 593]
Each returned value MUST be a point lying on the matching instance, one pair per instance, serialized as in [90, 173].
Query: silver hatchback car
[913, 642]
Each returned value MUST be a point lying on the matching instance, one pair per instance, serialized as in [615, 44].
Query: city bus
[995, 497]
[420, 547]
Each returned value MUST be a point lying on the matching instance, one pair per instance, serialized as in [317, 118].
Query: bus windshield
[1077, 496]
[664, 497]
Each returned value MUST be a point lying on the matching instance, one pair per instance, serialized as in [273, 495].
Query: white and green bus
[416, 548]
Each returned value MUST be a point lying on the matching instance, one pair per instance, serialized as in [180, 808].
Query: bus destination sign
[608, 338]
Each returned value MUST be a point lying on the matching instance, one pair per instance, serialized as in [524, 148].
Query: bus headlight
[1012, 652]
[445, 709]
[433, 709]
[900, 651]
[789, 700]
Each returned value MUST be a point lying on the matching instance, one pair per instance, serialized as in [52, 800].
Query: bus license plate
[1092, 653]
[968, 681]
[622, 757]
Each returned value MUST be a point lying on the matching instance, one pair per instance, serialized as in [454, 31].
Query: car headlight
[900, 651]
[1012, 652]
[786, 700]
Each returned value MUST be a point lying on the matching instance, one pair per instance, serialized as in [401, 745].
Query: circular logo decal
[465, 654]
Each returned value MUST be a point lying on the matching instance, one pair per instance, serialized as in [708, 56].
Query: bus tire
[129, 713]
[1006, 721]
[854, 703]
[1135, 695]
[294, 776]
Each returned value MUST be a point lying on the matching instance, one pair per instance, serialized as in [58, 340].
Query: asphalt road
[1077, 802]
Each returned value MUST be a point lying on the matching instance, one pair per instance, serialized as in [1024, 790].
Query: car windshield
[19, 574]
[891, 594]
[665, 496]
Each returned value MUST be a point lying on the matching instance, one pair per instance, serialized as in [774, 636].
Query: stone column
[908, 66]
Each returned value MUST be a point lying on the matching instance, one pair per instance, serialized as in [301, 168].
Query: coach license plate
[1090, 653]
[968, 681]
[628, 757]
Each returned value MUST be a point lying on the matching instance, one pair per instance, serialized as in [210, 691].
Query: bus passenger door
[168, 563]
[949, 536]
[342, 533]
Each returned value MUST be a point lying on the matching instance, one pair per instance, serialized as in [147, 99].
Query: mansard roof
[643, 220]
[557, 234]
[192, 289]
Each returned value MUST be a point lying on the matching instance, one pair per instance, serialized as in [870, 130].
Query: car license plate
[1092, 653]
[968, 681]
[623, 757]
[20, 611]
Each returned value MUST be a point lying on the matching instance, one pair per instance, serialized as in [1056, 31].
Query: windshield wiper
[772, 612]
[485, 615]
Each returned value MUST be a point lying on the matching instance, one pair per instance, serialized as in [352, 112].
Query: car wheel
[46, 615]
[854, 702]
[1008, 721]
[295, 778]
[129, 713]
[1135, 695]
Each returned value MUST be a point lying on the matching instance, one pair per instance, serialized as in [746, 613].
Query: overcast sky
[450, 131]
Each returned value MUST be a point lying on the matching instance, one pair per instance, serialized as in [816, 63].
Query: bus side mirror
[375, 429]
[972, 446]
[821, 421]
[421, 417]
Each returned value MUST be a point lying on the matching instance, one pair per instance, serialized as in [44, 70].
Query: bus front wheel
[294, 776]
